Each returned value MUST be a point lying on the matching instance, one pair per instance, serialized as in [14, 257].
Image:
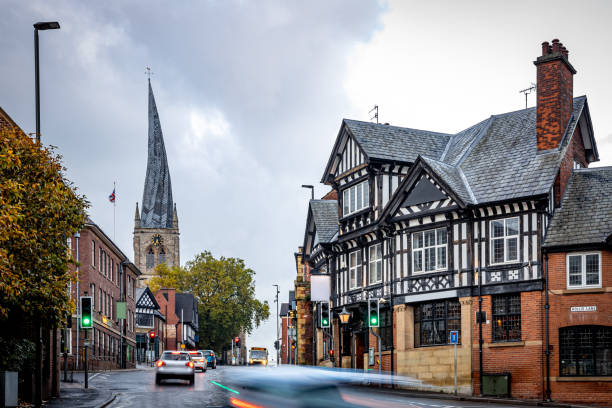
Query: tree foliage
[225, 289]
[39, 210]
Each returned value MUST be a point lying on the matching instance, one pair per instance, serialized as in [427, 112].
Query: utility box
[8, 388]
[496, 384]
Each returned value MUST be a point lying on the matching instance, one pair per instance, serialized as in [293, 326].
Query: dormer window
[356, 198]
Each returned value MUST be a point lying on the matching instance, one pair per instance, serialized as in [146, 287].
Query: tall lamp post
[344, 318]
[48, 25]
[276, 343]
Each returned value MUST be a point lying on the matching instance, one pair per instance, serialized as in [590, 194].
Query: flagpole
[114, 205]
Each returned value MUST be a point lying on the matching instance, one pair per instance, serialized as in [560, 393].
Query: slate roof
[325, 217]
[157, 203]
[497, 159]
[585, 216]
[284, 309]
[396, 143]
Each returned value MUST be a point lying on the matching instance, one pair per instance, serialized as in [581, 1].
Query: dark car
[210, 357]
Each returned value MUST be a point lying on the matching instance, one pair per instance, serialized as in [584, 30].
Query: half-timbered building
[149, 319]
[447, 231]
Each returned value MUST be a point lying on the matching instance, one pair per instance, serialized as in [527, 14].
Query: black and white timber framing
[460, 183]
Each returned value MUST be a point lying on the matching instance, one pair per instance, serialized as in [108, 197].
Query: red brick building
[578, 326]
[106, 274]
[166, 299]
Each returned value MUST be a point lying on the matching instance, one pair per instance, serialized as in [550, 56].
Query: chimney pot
[545, 48]
[556, 47]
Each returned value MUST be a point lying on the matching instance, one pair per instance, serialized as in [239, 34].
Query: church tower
[156, 231]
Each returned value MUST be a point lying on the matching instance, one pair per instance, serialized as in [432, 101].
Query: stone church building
[156, 231]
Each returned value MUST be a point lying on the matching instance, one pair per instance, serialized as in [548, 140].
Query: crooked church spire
[157, 205]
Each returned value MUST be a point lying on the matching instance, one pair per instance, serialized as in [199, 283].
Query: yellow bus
[258, 355]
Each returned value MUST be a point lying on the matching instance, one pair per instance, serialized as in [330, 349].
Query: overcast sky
[251, 95]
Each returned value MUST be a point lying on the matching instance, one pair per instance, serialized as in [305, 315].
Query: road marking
[94, 376]
[224, 387]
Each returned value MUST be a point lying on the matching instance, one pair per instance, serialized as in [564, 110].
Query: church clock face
[156, 240]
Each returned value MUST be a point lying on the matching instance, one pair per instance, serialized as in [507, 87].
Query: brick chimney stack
[555, 93]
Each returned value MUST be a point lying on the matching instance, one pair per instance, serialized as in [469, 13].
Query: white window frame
[361, 202]
[435, 247]
[355, 269]
[375, 263]
[68, 340]
[583, 256]
[505, 238]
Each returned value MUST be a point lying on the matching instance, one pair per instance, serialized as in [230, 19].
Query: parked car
[174, 364]
[199, 360]
[211, 358]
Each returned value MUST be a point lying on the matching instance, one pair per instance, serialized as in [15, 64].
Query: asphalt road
[138, 389]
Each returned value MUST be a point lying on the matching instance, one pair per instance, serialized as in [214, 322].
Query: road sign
[454, 337]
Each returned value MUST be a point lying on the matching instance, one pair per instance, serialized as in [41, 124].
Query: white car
[174, 364]
[199, 360]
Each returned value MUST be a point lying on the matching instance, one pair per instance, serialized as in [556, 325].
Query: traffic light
[276, 345]
[86, 315]
[324, 314]
[373, 308]
[152, 336]
[293, 344]
[237, 341]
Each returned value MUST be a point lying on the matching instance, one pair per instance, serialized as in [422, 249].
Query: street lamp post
[344, 318]
[52, 25]
[48, 25]
[277, 339]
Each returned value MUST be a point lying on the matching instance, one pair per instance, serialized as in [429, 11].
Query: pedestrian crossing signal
[373, 309]
[86, 315]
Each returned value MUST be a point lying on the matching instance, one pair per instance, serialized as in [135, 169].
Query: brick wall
[590, 390]
[167, 308]
[103, 354]
[575, 152]
[554, 95]
[522, 359]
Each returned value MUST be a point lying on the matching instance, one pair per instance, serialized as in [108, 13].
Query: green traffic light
[325, 322]
[373, 320]
[86, 320]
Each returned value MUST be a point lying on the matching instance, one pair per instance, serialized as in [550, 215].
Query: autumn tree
[225, 289]
[39, 210]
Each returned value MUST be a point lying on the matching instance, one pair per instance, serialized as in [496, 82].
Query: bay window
[504, 240]
[429, 250]
[356, 198]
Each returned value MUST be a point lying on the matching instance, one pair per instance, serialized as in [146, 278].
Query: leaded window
[144, 319]
[162, 256]
[150, 258]
[504, 240]
[356, 198]
[507, 317]
[433, 322]
[585, 351]
[375, 263]
[355, 270]
[429, 250]
[584, 270]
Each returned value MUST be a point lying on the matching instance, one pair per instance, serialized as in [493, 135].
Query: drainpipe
[480, 324]
[392, 271]
[546, 318]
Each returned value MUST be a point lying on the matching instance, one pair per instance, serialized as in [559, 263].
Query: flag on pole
[111, 197]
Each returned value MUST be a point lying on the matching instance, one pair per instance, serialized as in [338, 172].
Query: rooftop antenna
[148, 72]
[527, 91]
[375, 110]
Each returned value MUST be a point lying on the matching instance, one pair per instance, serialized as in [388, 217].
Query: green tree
[39, 210]
[225, 289]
